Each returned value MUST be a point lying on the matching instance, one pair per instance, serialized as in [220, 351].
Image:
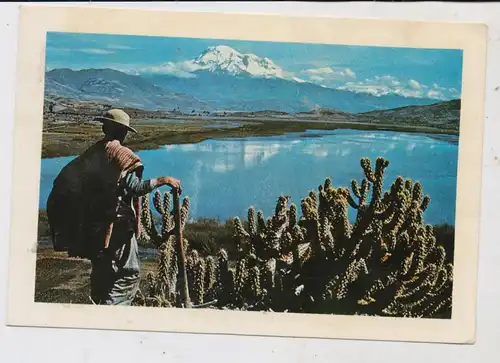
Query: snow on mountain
[223, 59]
[226, 59]
[223, 78]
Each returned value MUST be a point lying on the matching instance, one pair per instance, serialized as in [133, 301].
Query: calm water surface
[223, 177]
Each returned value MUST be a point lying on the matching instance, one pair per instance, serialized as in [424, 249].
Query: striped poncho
[81, 207]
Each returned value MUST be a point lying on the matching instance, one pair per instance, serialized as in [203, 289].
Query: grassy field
[73, 138]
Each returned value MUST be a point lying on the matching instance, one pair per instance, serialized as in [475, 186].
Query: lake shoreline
[71, 139]
[224, 176]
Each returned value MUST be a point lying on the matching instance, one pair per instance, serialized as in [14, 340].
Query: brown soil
[60, 279]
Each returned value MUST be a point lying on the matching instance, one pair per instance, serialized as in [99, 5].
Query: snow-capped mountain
[218, 78]
[227, 61]
[222, 58]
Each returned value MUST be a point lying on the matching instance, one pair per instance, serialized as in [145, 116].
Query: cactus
[199, 281]
[224, 284]
[386, 263]
[161, 287]
[210, 278]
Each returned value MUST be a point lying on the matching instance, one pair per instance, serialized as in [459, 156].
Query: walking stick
[182, 258]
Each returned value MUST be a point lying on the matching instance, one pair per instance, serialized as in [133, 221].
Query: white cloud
[328, 76]
[183, 69]
[51, 49]
[387, 84]
[434, 94]
[350, 73]
[180, 69]
[439, 92]
[387, 79]
[414, 85]
[110, 49]
[119, 47]
[95, 51]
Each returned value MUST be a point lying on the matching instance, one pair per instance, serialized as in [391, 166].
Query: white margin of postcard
[35, 21]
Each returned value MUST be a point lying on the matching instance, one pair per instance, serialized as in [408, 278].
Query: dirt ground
[60, 279]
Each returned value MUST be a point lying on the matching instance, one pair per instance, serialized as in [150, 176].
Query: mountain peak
[222, 49]
[224, 59]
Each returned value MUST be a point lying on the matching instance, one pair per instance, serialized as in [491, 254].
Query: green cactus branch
[388, 262]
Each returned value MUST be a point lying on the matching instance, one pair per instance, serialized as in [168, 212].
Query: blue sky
[434, 73]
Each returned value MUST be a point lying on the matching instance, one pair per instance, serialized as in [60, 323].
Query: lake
[223, 177]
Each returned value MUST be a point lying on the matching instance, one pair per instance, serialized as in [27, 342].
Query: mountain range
[220, 78]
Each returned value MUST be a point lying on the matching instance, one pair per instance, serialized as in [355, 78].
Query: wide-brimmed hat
[118, 117]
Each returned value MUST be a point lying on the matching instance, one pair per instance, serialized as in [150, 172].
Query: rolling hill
[109, 85]
[444, 114]
[212, 90]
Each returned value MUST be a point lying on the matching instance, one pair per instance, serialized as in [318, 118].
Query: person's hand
[172, 182]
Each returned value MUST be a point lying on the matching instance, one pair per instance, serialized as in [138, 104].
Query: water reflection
[223, 177]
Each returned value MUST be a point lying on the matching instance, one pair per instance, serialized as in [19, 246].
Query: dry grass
[60, 279]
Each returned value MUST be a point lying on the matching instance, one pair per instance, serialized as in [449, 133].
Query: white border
[36, 21]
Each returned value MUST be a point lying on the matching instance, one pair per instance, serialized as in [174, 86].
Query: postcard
[247, 174]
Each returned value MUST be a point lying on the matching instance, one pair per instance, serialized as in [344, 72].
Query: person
[94, 210]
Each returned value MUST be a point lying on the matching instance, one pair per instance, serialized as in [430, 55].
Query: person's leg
[102, 279]
[126, 285]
